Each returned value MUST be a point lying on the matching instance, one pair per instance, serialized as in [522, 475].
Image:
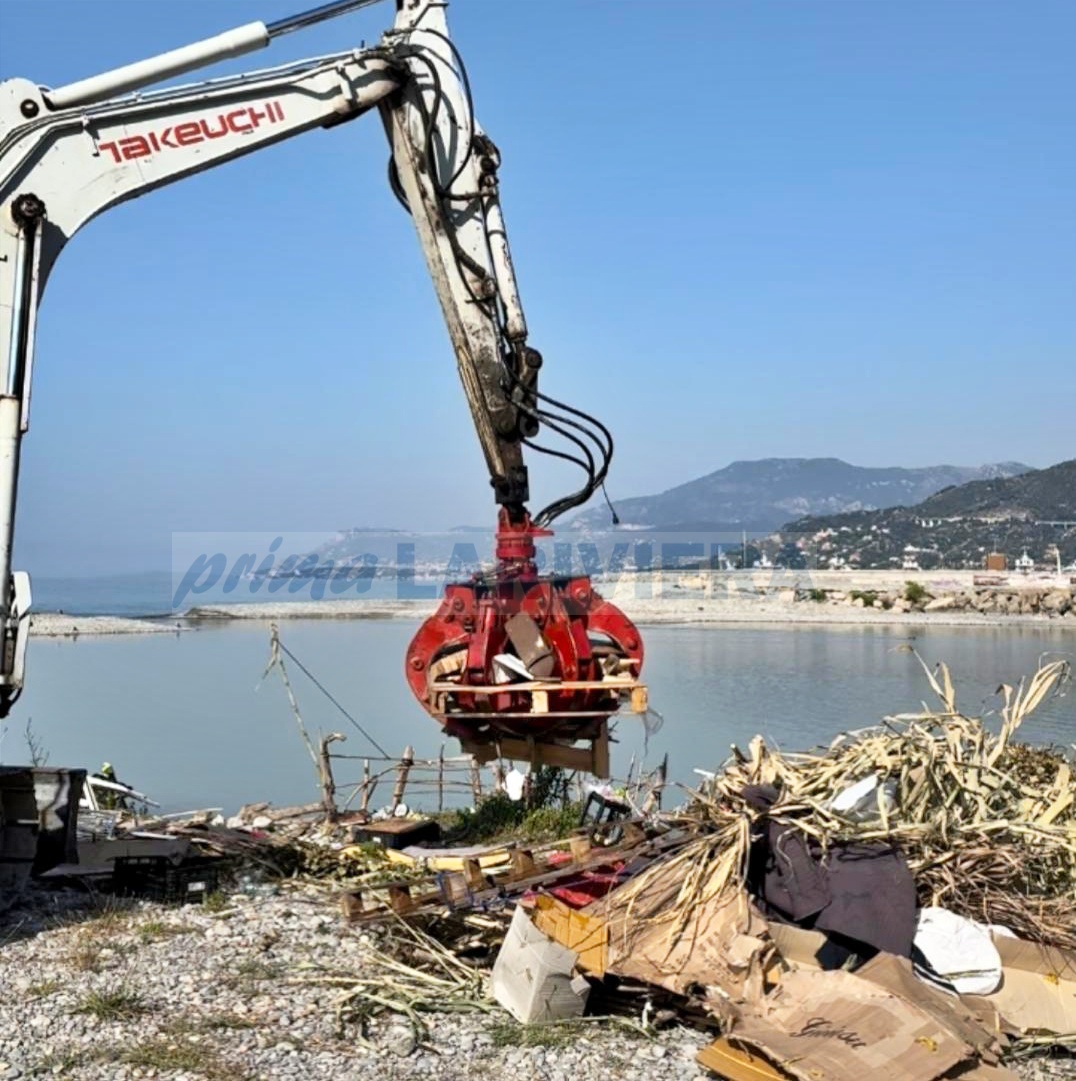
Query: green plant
[550, 823]
[118, 1004]
[178, 1056]
[552, 1036]
[557, 1035]
[215, 901]
[548, 788]
[915, 592]
[867, 596]
[545, 810]
[44, 988]
[200, 1024]
[153, 930]
[818, 595]
[58, 1061]
[86, 956]
[494, 815]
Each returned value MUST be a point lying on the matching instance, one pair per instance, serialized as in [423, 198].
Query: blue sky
[741, 230]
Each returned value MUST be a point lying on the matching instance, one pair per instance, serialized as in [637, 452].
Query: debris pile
[902, 902]
[987, 825]
[808, 884]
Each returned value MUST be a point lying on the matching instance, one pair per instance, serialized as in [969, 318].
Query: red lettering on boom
[237, 122]
[188, 133]
[137, 146]
[223, 130]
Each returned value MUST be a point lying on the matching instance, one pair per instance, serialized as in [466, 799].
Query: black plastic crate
[157, 878]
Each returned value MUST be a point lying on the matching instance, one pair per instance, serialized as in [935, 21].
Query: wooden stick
[653, 798]
[476, 781]
[406, 762]
[364, 805]
[325, 775]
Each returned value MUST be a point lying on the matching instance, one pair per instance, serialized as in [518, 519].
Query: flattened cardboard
[833, 1026]
[797, 945]
[734, 1063]
[737, 1064]
[1038, 988]
[533, 977]
[895, 974]
[650, 941]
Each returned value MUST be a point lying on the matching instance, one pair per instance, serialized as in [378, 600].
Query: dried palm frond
[409, 974]
[987, 824]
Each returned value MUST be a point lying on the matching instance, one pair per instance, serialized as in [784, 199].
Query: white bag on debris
[958, 950]
[514, 784]
[533, 975]
[859, 802]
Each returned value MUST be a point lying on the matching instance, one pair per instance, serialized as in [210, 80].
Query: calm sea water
[151, 594]
[182, 718]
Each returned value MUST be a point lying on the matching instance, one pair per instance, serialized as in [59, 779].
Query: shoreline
[656, 612]
[692, 598]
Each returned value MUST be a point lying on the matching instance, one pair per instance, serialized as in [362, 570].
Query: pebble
[211, 981]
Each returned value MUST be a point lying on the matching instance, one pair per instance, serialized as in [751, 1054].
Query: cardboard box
[534, 978]
[576, 930]
[715, 943]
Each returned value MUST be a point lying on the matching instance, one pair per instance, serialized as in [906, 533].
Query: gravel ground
[186, 993]
[108, 993]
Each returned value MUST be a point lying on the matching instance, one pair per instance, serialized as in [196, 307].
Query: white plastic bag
[958, 950]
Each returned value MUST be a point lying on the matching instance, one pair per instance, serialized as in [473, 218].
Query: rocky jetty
[1048, 601]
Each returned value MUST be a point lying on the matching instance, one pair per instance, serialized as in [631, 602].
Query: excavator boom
[69, 153]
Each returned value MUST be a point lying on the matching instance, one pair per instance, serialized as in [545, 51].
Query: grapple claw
[517, 659]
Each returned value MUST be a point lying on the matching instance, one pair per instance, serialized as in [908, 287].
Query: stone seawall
[1003, 601]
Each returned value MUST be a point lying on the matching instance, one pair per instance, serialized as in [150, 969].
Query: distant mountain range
[956, 526]
[762, 495]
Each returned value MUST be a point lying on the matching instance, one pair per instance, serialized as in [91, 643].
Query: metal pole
[315, 15]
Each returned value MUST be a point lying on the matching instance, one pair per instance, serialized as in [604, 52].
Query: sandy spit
[59, 625]
[654, 611]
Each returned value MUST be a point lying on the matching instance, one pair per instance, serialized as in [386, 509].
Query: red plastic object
[576, 624]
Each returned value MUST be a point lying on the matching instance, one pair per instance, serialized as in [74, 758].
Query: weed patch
[118, 1004]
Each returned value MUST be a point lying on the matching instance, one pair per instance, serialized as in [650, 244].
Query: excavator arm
[69, 153]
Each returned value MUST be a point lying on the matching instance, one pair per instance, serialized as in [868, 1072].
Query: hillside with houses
[1019, 523]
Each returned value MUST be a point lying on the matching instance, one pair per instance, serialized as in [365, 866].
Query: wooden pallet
[480, 735]
[441, 692]
[475, 886]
